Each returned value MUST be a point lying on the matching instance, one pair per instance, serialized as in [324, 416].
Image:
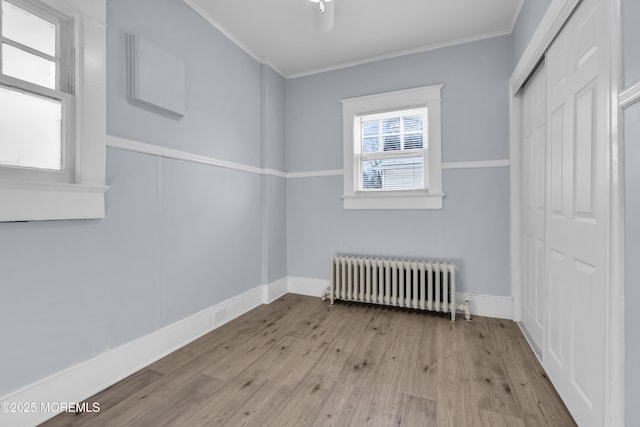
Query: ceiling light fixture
[323, 14]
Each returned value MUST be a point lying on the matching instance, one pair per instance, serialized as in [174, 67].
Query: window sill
[403, 200]
[34, 201]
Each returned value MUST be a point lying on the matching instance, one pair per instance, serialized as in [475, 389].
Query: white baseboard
[85, 379]
[275, 290]
[481, 305]
[488, 305]
[306, 286]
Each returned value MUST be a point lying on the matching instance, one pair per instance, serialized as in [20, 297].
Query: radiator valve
[326, 294]
[466, 308]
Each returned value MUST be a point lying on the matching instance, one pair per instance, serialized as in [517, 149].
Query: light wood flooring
[302, 362]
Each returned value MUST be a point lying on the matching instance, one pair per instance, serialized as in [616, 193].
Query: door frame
[557, 14]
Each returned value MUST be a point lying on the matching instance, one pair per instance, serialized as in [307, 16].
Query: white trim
[200, 11]
[515, 223]
[558, 13]
[274, 172]
[429, 97]
[307, 286]
[312, 174]
[551, 24]
[275, 290]
[481, 305]
[207, 17]
[498, 307]
[390, 200]
[170, 153]
[27, 201]
[629, 96]
[52, 186]
[477, 164]
[614, 395]
[516, 16]
[87, 378]
[421, 49]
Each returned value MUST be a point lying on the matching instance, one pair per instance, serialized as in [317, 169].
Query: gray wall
[471, 230]
[274, 212]
[631, 34]
[178, 236]
[528, 20]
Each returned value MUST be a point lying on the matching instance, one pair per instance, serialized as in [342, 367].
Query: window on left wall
[52, 109]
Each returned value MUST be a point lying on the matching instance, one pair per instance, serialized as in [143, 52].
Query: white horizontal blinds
[34, 44]
[392, 150]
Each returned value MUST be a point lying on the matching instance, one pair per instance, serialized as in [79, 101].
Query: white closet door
[534, 292]
[577, 210]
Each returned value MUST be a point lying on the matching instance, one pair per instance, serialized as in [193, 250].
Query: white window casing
[424, 193]
[77, 192]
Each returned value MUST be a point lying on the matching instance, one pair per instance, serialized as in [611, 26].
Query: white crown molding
[420, 49]
[514, 21]
[200, 11]
[551, 24]
[192, 4]
[629, 96]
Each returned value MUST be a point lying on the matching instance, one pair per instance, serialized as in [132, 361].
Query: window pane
[371, 127]
[393, 174]
[30, 130]
[391, 142]
[371, 175]
[412, 141]
[25, 66]
[413, 123]
[391, 125]
[370, 145]
[28, 29]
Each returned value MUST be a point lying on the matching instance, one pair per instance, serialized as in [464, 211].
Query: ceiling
[282, 33]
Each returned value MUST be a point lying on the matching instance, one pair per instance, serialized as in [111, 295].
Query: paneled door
[533, 191]
[577, 199]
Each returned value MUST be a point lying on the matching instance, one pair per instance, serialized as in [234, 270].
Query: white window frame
[63, 91]
[31, 195]
[431, 196]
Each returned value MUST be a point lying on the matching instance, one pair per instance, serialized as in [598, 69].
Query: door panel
[576, 230]
[534, 307]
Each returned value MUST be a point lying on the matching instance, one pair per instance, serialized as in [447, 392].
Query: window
[52, 109]
[35, 92]
[392, 152]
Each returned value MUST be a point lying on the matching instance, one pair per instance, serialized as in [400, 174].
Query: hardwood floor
[302, 362]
